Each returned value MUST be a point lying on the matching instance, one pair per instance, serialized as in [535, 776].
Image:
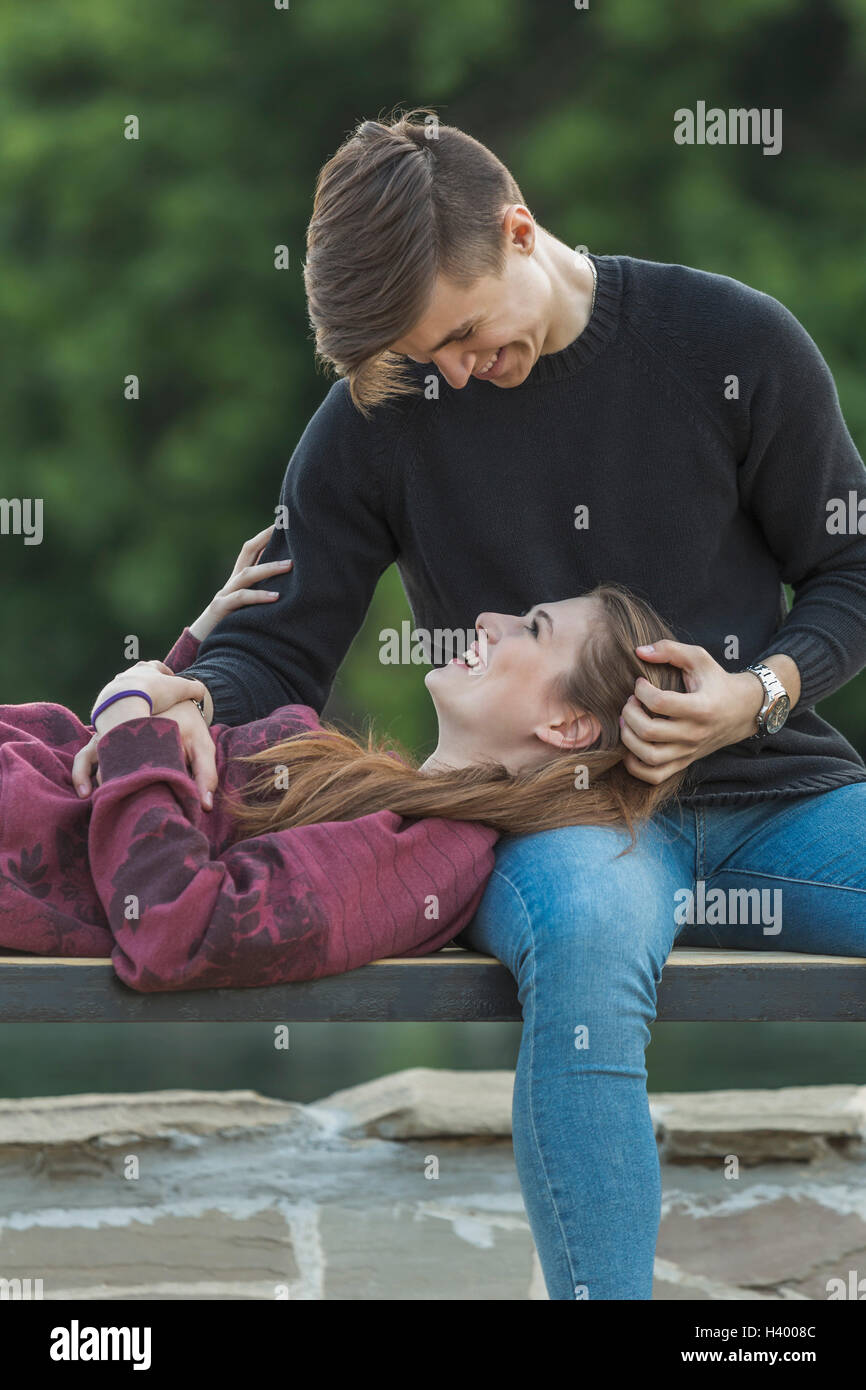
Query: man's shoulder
[391, 414]
[341, 447]
[706, 313]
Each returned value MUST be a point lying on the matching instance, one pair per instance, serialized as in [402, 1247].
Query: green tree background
[155, 257]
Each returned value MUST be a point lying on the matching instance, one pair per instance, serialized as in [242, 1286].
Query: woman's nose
[491, 626]
[497, 624]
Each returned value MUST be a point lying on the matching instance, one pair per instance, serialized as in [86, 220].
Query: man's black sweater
[697, 422]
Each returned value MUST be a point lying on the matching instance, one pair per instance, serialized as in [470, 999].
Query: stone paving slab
[389, 1192]
[793, 1122]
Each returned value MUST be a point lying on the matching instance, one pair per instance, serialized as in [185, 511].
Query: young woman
[321, 853]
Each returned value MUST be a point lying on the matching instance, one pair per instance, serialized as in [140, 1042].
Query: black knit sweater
[704, 493]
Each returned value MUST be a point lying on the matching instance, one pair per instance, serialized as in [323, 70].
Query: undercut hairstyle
[398, 204]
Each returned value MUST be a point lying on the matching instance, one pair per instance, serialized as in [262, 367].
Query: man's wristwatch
[777, 704]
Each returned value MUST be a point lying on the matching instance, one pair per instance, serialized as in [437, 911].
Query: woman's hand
[171, 699]
[236, 591]
[169, 693]
[198, 747]
[153, 677]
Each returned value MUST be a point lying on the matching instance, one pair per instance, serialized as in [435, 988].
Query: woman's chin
[439, 676]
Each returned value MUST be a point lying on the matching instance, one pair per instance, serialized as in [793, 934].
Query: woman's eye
[467, 334]
[533, 627]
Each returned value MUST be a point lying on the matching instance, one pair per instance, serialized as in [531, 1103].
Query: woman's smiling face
[499, 701]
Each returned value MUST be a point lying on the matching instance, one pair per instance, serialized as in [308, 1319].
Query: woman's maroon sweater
[141, 873]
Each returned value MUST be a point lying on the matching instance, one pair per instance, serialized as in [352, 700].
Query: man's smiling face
[494, 329]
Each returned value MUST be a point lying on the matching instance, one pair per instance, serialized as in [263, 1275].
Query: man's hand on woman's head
[665, 731]
[236, 592]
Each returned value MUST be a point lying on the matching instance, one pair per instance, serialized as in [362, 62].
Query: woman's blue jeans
[586, 935]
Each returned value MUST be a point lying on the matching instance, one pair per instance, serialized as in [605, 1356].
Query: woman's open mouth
[471, 660]
[492, 367]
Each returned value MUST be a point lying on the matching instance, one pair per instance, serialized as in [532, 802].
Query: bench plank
[451, 986]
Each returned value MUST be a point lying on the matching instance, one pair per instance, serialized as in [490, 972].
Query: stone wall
[405, 1188]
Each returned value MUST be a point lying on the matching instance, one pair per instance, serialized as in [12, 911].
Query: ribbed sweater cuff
[228, 705]
[814, 661]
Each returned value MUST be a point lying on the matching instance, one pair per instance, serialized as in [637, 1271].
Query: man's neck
[571, 288]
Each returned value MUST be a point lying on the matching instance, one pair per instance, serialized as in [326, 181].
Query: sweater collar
[553, 366]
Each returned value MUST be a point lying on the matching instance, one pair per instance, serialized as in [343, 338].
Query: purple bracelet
[119, 695]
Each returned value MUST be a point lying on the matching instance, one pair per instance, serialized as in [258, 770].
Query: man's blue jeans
[586, 935]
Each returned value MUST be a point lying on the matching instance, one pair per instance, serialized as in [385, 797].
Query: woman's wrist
[203, 625]
[130, 707]
[121, 699]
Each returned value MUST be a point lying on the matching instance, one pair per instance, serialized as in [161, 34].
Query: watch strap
[773, 690]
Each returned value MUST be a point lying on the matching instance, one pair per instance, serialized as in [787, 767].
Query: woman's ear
[571, 732]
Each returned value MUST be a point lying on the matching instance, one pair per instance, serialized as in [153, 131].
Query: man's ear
[519, 226]
[571, 732]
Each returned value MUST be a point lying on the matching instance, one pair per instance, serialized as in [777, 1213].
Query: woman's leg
[586, 935]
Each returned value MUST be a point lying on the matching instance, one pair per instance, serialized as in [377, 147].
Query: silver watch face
[777, 714]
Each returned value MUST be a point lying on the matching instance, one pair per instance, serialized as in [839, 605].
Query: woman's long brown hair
[332, 776]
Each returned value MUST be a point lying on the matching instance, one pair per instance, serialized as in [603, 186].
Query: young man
[517, 421]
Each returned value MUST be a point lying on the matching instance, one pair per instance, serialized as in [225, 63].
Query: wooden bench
[451, 986]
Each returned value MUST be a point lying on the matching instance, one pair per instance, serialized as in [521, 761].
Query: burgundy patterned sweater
[291, 905]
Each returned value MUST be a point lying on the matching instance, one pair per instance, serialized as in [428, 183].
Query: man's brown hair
[398, 204]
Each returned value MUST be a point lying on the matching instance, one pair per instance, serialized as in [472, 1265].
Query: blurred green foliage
[155, 257]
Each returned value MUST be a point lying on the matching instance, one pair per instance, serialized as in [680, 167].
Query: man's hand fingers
[652, 755]
[654, 775]
[671, 703]
[654, 730]
[681, 654]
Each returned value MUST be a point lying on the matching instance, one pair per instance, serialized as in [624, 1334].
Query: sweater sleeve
[296, 904]
[263, 656]
[802, 467]
[183, 653]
